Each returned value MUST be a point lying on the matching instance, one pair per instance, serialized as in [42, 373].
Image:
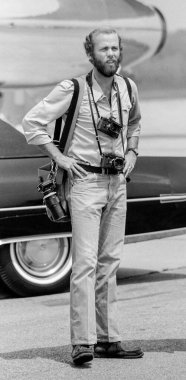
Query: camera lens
[53, 203]
[118, 163]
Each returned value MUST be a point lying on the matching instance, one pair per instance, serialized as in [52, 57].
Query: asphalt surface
[34, 332]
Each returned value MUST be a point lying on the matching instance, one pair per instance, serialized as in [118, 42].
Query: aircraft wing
[44, 44]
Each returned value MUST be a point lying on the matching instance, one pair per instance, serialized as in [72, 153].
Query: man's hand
[130, 160]
[71, 166]
[64, 162]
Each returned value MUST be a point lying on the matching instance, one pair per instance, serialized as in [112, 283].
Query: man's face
[106, 55]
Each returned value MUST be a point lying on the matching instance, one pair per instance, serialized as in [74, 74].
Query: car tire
[36, 267]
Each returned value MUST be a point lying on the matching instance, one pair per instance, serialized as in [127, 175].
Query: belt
[98, 169]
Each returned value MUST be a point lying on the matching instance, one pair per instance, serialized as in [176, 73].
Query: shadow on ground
[62, 354]
[130, 276]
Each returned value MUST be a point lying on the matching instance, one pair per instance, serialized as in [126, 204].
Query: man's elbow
[25, 123]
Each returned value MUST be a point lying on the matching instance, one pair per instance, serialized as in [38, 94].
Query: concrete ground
[153, 255]
[34, 332]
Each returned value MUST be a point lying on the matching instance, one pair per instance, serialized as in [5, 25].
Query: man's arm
[53, 106]
[64, 162]
[37, 119]
[134, 128]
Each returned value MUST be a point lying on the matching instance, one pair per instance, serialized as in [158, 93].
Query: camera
[51, 200]
[109, 127]
[111, 161]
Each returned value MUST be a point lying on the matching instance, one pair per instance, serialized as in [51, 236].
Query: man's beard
[104, 68]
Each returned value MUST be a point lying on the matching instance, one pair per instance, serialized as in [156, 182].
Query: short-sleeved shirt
[84, 146]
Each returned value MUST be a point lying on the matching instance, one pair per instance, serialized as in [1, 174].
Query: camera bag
[62, 141]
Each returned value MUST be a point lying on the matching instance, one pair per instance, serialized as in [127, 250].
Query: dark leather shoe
[82, 354]
[115, 350]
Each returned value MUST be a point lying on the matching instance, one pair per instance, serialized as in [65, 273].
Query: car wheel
[36, 267]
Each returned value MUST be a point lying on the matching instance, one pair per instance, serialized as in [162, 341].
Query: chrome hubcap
[42, 261]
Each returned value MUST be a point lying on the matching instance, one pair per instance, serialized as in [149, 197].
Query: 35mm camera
[109, 127]
[111, 161]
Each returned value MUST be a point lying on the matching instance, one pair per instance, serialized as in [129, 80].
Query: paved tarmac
[154, 255]
[34, 332]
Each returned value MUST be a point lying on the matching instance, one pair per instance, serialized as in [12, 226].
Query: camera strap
[63, 142]
[94, 123]
[120, 116]
[89, 88]
[89, 81]
[70, 123]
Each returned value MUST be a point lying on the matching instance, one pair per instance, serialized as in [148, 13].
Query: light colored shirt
[84, 146]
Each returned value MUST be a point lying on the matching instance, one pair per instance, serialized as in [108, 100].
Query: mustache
[111, 60]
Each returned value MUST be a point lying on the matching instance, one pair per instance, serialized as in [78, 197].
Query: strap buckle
[105, 171]
[56, 143]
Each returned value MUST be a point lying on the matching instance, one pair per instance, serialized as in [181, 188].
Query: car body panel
[157, 195]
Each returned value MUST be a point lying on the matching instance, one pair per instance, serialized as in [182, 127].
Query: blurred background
[164, 75]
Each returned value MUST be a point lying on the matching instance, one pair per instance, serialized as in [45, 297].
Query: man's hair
[89, 40]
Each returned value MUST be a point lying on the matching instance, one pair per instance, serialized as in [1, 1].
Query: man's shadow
[62, 354]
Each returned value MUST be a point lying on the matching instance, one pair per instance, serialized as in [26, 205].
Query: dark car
[35, 253]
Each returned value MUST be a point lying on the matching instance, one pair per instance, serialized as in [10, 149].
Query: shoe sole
[83, 358]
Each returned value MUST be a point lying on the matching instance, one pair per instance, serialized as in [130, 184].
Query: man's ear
[91, 59]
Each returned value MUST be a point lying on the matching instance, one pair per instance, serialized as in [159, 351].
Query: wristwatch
[135, 150]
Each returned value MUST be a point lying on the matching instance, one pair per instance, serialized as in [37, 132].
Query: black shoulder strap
[129, 88]
[57, 130]
[62, 141]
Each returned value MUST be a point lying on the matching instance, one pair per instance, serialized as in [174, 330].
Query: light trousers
[98, 213]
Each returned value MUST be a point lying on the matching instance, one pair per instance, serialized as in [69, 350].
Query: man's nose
[110, 53]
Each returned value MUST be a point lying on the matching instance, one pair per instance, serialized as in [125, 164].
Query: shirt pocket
[85, 115]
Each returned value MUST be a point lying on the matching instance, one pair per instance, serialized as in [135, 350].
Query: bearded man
[102, 153]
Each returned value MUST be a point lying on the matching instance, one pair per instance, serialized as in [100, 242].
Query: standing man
[102, 154]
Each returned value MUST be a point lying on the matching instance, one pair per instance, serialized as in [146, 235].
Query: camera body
[109, 160]
[54, 208]
[109, 127]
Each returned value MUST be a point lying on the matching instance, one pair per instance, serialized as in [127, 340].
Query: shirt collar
[98, 93]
